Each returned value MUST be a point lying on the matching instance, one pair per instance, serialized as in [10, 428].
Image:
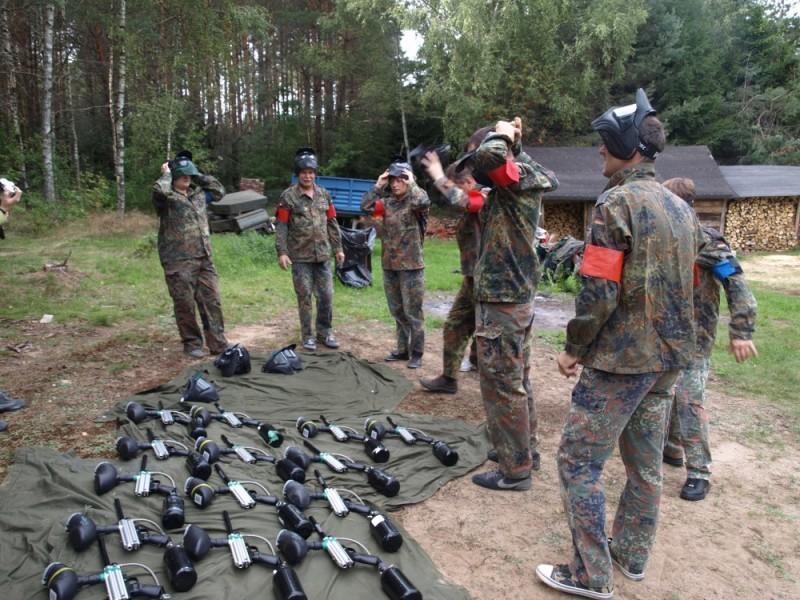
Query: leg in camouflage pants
[503, 332]
[193, 283]
[458, 328]
[607, 407]
[316, 279]
[405, 291]
[688, 428]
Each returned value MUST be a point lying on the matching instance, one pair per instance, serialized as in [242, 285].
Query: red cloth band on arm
[283, 214]
[506, 174]
[331, 212]
[379, 210]
[603, 263]
[696, 275]
[475, 202]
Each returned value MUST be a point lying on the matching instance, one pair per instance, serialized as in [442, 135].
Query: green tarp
[43, 487]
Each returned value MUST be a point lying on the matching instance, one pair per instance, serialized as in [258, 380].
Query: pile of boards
[239, 212]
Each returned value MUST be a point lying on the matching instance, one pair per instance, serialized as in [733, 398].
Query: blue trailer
[346, 193]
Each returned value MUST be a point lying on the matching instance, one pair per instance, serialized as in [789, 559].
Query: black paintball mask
[197, 389]
[283, 361]
[305, 158]
[234, 361]
[619, 128]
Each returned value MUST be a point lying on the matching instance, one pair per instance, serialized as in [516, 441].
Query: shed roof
[580, 171]
[763, 181]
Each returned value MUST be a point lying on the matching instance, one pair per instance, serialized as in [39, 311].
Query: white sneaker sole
[543, 572]
[628, 574]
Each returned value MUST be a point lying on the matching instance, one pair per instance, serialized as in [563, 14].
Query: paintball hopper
[619, 128]
[284, 361]
[234, 361]
[197, 389]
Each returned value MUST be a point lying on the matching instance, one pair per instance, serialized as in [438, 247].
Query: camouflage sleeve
[419, 201]
[453, 196]
[282, 227]
[334, 233]
[161, 191]
[491, 154]
[742, 306]
[598, 297]
[213, 185]
[534, 176]
[369, 199]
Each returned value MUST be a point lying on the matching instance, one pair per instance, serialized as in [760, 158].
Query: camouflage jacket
[507, 268]
[183, 224]
[644, 323]
[468, 230]
[403, 226]
[741, 303]
[309, 235]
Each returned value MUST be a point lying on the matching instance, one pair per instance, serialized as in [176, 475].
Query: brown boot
[442, 384]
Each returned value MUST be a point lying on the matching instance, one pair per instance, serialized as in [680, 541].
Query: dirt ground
[742, 542]
[778, 271]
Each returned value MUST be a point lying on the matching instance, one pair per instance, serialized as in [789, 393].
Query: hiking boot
[218, 351]
[495, 480]
[560, 577]
[442, 383]
[695, 489]
[195, 352]
[672, 461]
[631, 573]
[536, 458]
[329, 340]
[9, 404]
[415, 362]
[395, 355]
[467, 365]
[310, 344]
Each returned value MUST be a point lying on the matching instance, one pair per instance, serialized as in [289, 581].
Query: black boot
[695, 489]
[441, 383]
[8, 404]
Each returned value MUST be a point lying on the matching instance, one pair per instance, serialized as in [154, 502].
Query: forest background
[97, 94]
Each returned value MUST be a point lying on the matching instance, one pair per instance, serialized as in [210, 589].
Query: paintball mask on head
[619, 128]
[182, 166]
[234, 361]
[400, 169]
[305, 158]
[283, 361]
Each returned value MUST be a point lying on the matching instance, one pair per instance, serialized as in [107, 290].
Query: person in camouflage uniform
[506, 275]
[688, 430]
[462, 191]
[179, 197]
[632, 332]
[306, 233]
[403, 207]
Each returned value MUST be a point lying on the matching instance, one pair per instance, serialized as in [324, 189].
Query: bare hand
[7, 199]
[517, 123]
[284, 261]
[508, 130]
[340, 258]
[383, 179]
[567, 364]
[742, 349]
[165, 168]
[432, 165]
[409, 176]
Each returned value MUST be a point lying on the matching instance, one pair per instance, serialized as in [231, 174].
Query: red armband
[696, 275]
[379, 209]
[331, 212]
[505, 175]
[283, 214]
[603, 263]
[475, 201]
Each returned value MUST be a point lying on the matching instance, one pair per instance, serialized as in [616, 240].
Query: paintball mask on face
[619, 128]
[305, 158]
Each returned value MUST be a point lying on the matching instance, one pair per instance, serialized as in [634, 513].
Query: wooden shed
[764, 213]
[567, 210]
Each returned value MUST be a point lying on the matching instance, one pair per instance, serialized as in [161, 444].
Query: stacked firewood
[563, 219]
[762, 224]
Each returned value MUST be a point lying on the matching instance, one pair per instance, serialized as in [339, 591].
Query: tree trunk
[9, 64]
[47, 105]
[119, 110]
[76, 157]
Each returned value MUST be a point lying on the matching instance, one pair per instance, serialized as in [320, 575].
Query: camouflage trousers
[193, 283]
[607, 408]
[458, 328]
[688, 426]
[405, 291]
[313, 278]
[503, 333]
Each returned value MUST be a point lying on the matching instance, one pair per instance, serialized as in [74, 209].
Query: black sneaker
[310, 344]
[672, 461]
[9, 404]
[442, 384]
[560, 577]
[536, 458]
[495, 480]
[395, 355]
[195, 352]
[415, 362]
[695, 489]
[329, 340]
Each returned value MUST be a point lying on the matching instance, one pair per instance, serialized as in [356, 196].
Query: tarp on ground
[43, 488]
